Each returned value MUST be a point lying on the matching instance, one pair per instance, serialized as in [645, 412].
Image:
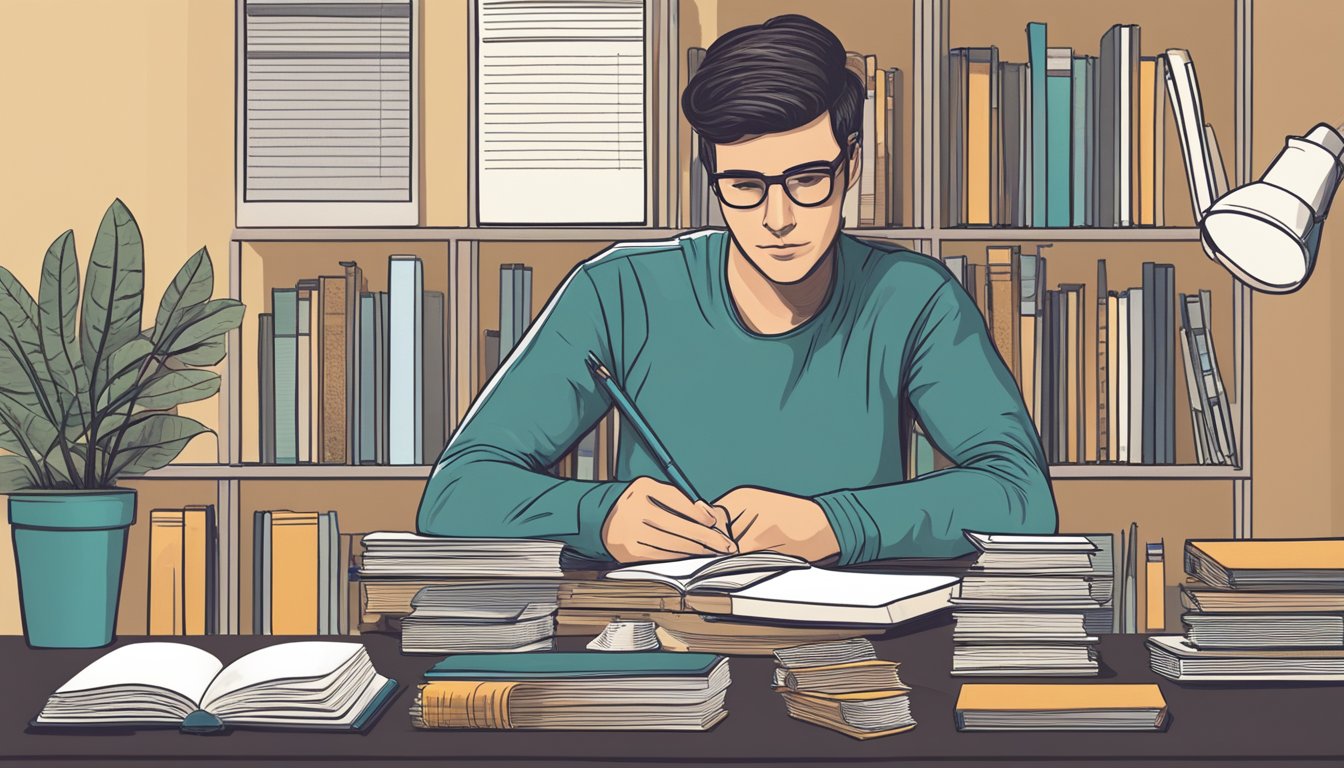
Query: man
[780, 362]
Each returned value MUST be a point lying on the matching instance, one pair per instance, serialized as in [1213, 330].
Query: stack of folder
[632, 691]
[843, 686]
[1032, 605]
[482, 616]
[1260, 609]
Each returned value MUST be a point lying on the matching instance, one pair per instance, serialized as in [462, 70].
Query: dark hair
[772, 77]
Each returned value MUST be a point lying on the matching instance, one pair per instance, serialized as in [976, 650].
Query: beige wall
[134, 99]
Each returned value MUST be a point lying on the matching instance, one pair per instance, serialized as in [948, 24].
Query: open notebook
[770, 585]
[319, 685]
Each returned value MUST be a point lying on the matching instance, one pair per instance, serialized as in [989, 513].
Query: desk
[1210, 725]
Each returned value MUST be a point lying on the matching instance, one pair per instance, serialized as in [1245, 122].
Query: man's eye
[808, 180]
[746, 185]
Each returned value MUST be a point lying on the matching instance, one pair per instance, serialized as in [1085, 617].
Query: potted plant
[87, 396]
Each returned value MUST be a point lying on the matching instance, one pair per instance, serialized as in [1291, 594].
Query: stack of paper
[1030, 605]
[627, 636]
[843, 686]
[476, 618]
[1061, 707]
[400, 554]
[1260, 609]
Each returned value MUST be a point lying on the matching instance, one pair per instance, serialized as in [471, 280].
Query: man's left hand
[765, 519]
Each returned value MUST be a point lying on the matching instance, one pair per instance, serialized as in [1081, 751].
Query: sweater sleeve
[973, 412]
[490, 479]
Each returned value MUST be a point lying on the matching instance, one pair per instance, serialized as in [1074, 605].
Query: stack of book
[596, 691]
[1032, 605]
[1061, 707]
[352, 376]
[300, 573]
[843, 686]
[183, 571]
[1072, 140]
[1112, 400]
[877, 199]
[1260, 609]
[478, 617]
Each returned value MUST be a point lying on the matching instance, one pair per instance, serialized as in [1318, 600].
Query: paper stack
[1031, 605]
[626, 636]
[481, 617]
[1261, 609]
[1061, 707]
[843, 686]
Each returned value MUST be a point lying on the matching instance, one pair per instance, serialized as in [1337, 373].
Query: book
[768, 585]
[709, 633]
[1036, 67]
[1082, 144]
[1061, 707]
[367, 365]
[1175, 657]
[434, 387]
[166, 610]
[1013, 105]
[1289, 564]
[405, 279]
[1005, 303]
[508, 615]
[862, 715]
[1059, 111]
[400, 554]
[825, 653]
[332, 368]
[1155, 603]
[266, 386]
[848, 677]
[306, 685]
[1101, 449]
[1117, 121]
[1264, 631]
[284, 304]
[637, 690]
[1188, 113]
[294, 572]
[1202, 599]
[309, 358]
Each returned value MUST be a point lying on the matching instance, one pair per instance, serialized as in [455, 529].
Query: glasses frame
[780, 178]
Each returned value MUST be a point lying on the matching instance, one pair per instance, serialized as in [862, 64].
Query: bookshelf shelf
[914, 36]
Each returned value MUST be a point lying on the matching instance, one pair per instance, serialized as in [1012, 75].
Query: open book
[778, 587]
[320, 685]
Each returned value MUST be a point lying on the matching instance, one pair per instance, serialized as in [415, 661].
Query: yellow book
[1060, 706]
[165, 572]
[195, 559]
[1267, 563]
[294, 573]
[1147, 180]
[979, 140]
[1005, 303]
[862, 715]
[1155, 589]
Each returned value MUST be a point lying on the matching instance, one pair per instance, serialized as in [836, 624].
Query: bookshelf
[461, 256]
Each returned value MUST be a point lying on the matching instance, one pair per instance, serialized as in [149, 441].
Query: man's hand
[764, 519]
[656, 521]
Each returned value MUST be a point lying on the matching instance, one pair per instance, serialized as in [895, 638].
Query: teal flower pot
[70, 547]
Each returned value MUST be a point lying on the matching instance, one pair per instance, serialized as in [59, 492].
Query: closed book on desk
[399, 554]
[1196, 597]
[638, 690]
[1267, 563]
[310, 685]
[1264, 630]
[1061, 707]
[863, 715]
[771, 586]
[1175, 657]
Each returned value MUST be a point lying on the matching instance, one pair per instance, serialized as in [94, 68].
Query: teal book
[1082, 139]
[571, 665]
[1037, 96]
[1058, 141]
[285, 308]
[368, 391]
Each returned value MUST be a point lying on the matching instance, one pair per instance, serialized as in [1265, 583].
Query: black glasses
[808, 186]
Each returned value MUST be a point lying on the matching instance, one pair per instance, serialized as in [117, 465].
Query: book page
[724, 572]
[304, 660]
[176, 667]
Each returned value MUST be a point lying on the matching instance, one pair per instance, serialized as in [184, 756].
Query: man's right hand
[656, 521]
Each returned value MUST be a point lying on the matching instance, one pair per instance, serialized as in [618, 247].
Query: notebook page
[560, 111]
[171, 666]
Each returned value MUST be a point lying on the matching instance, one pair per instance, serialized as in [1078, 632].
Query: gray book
[955, 139]
[491, 353]
[1159, 306]
[406, 360]
[957, 266]
[522, 276]
[266, 582]
[380, 382]
[1082, 88]
[266, 384]
[259, 567]
[1090, 155]
[324, 560]
[895, 154]
[367, 365]
[1220, 410]
[1012, 139]
[284, 305]
[1151, 375]
[1117, 118]
[507, 313]
[436, 395]
[1049, 376]
[1202, 421]
[1105, 440]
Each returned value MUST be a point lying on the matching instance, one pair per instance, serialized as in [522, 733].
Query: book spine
[195, 540]
[284, 303]
[166, 582]
[354, 289]
[980, 132]
[1148, 127]
[435, 376]
[881, 173]
[266, 385]
[895, 148]
[1122, 376]
[1005, 303]
[303, 378]
[954, 200]
[295, 575]
[867, 166]
[1113, 356]
[1167, 338]
[1081, 87]
[507, 313]
[1103, 359]
[1036, 54]
[1059, 110]
[381, 381]
[406, 347]
[1151, 381]
[1155, 618]
[333, 365]
[367, 410]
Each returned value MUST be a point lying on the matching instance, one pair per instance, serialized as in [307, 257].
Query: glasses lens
[809, 187]
[741, 193]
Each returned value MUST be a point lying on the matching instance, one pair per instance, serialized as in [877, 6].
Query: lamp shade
[1267, 232]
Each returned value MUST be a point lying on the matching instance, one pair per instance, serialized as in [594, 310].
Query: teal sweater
[821, 411]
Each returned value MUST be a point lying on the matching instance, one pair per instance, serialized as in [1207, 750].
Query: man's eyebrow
[791, 169]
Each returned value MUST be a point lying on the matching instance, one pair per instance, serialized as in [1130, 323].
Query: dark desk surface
[1215, 725]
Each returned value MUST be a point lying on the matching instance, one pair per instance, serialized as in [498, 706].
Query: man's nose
[778, 212]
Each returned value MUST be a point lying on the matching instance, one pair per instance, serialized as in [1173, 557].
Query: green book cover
[284, 305]
[1082, 131]
[1036, 61]
[1059, 113]
[568, 665]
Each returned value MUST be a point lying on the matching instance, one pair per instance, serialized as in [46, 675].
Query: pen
[631, 414]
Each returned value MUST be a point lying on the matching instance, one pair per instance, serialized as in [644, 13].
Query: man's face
[781, 237]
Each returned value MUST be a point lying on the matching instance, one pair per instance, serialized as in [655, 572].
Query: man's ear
[855, 163]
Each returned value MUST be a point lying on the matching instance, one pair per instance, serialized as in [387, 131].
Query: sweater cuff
[594, 506]
[854, 529]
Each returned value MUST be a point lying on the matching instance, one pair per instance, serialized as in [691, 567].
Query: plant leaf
[15, 475]
[177, 387]
[38, 433]
[152, 441]
[58, 298]
[209, 320]
[192, 286]
[19, 347]
[208, 352]
[113, 289]
[121, 369]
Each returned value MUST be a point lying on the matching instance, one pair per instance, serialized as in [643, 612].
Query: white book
[1013, 542]
[307, 684]
[1122, 379]
[1188, 111]
[1175, 657]
[1135, 401]
[406, 285]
